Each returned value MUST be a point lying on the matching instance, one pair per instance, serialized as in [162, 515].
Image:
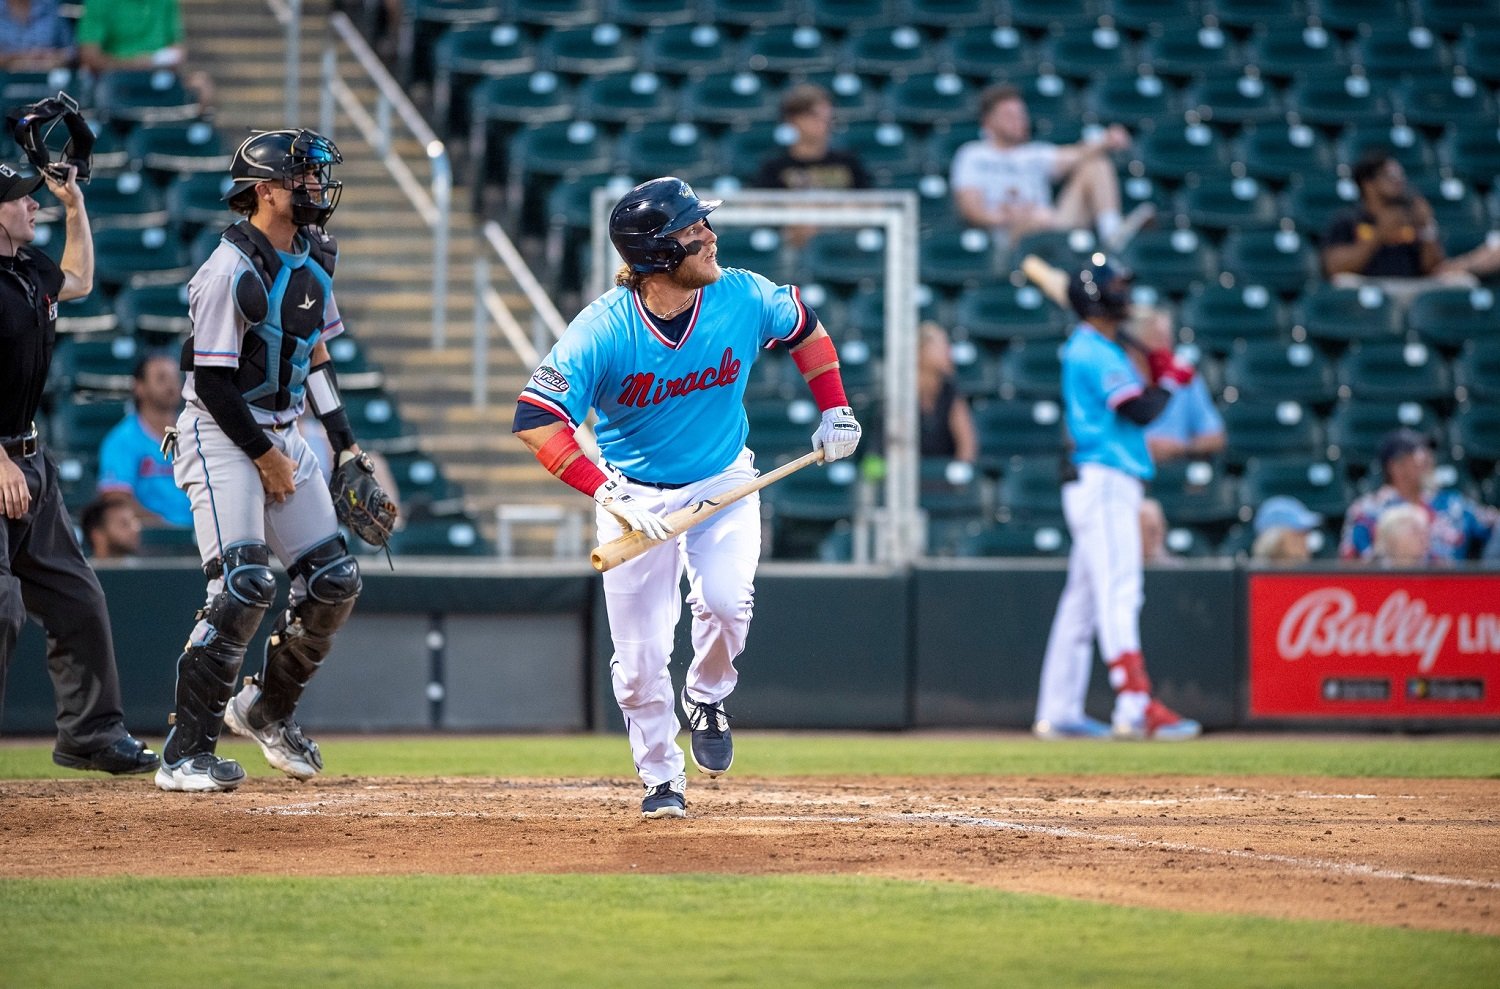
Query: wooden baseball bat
[1053, 282]
[632, 544]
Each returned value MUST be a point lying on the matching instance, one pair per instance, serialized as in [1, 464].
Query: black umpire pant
[43, 573]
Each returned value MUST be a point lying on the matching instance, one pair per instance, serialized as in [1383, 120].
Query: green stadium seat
[618, 99]
[734, 100]
[1401, 49]
[1278, 152]
[1055, 104]
[1216, 316]
[1132, 97]
[1266, 370]
[956, 257]
[1270, 427]
[1081, 55]
[1476, 371]
[80, 425]
[94, 364]
[1318, 484]
[1235, 100]
[1032, 371]
[931, 99]
[758, 249]
[975, 371]
[570, 220]
[1472, 151]
[1452, 317]
[841, 16]
[1056, 15]
[934, 201]
[355, 370]
[588, 50]
[21, 86]
[1316, 199]
[824, 495]
[691, 50]
[1031, 488]
[885, 52]
[1476, 434]
[1404, 143]
[127, 97]
[1332, 314]
[422, 487]
[1174, 149]
[94, 313]
[464, 56]
[77, 477]
[423, 22]
[1171, 261]
[950, 489]
[651, 13]
[1226, 201]
[1196, 492]
[1137, 188]
[1338, 101]
[1457, 17]
[1065, 249]
[203, 245]
[1454, 202]
[781, 426]
[162, 541]
[185, 147]
[499, 107]
[440, 536]
[542, 154]
[1144, 16]
[1016, 428]
[737, 14]
[845, 258]
[884, 147]
[1285, 51]
[999, 313]
[197, 200]
[785, 47]
[1397, 370]
[950, 15]
[1357, 425]
[984, 54]
[1476, 52]
[1460, 238]
[1356, 16]
[1182, 48]
[127, 201]
[147, 256]
[156, 313]
[853, 95]
[377, 422]
[1281, 260]
[1023, 539]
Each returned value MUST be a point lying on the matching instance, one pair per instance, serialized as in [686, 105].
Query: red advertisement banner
[1358, 645]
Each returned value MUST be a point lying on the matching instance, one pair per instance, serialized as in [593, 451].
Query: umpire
[42, 570]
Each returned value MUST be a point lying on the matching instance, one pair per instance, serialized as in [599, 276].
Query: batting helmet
[1101, 289]
[640, 222]
[269, 156]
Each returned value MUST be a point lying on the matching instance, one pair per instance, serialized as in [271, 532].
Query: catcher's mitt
[360, 502]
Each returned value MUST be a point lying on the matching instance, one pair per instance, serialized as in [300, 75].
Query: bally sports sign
[1375, 645]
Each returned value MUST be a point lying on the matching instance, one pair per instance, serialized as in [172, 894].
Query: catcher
[262, 311]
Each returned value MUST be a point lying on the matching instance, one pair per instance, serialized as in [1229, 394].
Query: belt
[662, 485]
[21, 446]
[280, 427]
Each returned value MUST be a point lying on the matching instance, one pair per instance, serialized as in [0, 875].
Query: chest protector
[283, 301]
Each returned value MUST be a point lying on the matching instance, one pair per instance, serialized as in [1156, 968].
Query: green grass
[816, 754]
[636, 930]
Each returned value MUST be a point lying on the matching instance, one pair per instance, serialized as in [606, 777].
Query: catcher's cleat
[201, 773]
[1050, 731]
[713, 744]
[283, 743]
[667, 799]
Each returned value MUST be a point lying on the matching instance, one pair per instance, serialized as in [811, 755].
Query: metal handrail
[548, 325]
[434, 208]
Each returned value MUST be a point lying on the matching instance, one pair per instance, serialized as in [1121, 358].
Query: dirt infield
[1414, 853]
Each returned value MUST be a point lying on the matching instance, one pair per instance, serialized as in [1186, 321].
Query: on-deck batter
[663, 358]
[1108, 407]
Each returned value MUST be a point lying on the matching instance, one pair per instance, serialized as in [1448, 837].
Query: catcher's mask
[1101, 289]
[36, 125]
[290, 156]
[642, 219]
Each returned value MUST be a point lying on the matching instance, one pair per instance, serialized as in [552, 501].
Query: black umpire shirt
[29, 286]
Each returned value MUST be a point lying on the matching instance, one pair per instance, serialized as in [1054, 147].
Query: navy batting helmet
[1101, 289]
[269, 156]
[640, 222]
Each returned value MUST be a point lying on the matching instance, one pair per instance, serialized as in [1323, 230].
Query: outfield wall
[955, 644]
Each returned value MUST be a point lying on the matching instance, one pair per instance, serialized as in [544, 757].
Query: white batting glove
[838, 434]
[632, 514]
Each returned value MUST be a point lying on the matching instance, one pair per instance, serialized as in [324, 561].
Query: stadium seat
[976, 373]
[1318, 484]
[1400, 48]
[1285, 51]
[81, 425]
[1334, 315]
[1277, 152]
[737, 99]
[377, 422]
[1475, 52]
[1454, 202]
[1196, 492]
[127, 97]
[1056, 15]
[1274, 427]
[950, 15]
[651, 13]
[197, 200]
[1354, 16]
[950, 489]
[844, 15]
[1404, 143]
[1472, 151]
[1314, 200]
[500, 107]
[931, 99]
[1081, 55]
[1216, 316]
[127, 201]
[1065, 249]
[542, 154]
[803, 507]
[1235, 100]
[77, 477]
[355, 370]
[1136, 189]
[615, 100]
[999, 313]
[956, 257]
[95, 364]
[1143, 16]
[1219, 202]
[884, 147]
[1397, 370]
[1267, 370]
[21, 86]
[1455, 17]
[1476, 434]
[422, 486]
[184, 147]
[750, 13]
[1171, 261]
[845, 258]
[885, 52]
[148, 256]
[1132, 97]
[1024, 539]
[781, 426]
[986, 53]
[1016, 428]
[1476, 371]
[692, 50]
[1031, 488]
[464, 56]
[156, 313]
[94, 313]
[1181, 48]
[1357, 425]
[1032, 371]
[1337, 101]
[169, 541]
[786, 47]
[1281, 260]
[440, 536]
[1174, 149]
[588, 50]
[853, 95]
[758, 249]
[1055, 104]
[423, 22]
[1452, 317]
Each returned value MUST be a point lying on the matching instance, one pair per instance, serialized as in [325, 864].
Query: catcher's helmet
[640, 222]
[1101, 289]
[268, 156]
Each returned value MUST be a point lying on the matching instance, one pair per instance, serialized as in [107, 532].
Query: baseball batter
[663, 359]
[262, 311]
[1108, 406]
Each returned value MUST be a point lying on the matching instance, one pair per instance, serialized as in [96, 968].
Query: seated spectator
[34, 37]
[1392, 236]
[138, 34]
[110, 527]
[1281, 527]
[946, 421]
[130, 457]
[1190, 426]
[1459, 527]
[1403, 537]
[1005, 180]
[810, 161]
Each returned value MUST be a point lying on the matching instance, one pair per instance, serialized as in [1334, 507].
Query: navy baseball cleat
[667, 799]
[713, 745]
[1053, 731]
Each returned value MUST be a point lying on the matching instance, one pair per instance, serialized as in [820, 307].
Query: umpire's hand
[277, 474]
[15, 496]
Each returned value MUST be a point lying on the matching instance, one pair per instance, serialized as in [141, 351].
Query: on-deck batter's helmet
[640, 222]
[1101, 289]
[267, 156]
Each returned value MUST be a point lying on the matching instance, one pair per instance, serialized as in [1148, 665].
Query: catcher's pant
[644, 603]
[230, 504]
[43, 574]
[1103, 594]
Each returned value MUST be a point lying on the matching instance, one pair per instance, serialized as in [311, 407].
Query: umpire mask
[54, 135]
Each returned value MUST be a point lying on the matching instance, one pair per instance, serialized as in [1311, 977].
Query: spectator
[947, 422]
[130, 458]
[138, 34]
[110, 527]
[1004, 180]
[1154, 549]
[810, 161]
[1458, 526]
[1190, 426]
[1403, 537]
[34, 37]
[1281, 527]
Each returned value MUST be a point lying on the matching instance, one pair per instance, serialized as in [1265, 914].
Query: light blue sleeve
[117, 462]
[566, 381]
[783, 316]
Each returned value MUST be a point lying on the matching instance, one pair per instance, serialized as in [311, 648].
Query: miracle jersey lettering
[668, 413]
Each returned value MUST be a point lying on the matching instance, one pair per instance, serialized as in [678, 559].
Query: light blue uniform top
[1189, 414]
[131, 460]
[669, 413]
[1097, 377]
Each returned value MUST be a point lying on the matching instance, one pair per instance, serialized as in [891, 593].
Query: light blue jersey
[130, 459]
[669, 413]
[1097, 378]
[1190, 413]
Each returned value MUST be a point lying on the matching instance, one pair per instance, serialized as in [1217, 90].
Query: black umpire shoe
[129, 755]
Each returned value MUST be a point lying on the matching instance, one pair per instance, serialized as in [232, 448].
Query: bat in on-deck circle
[632, 544]
[1053, 282]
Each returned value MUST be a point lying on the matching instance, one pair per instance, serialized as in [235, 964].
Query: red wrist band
[556, 451]
[581, 473]
[819, 364]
